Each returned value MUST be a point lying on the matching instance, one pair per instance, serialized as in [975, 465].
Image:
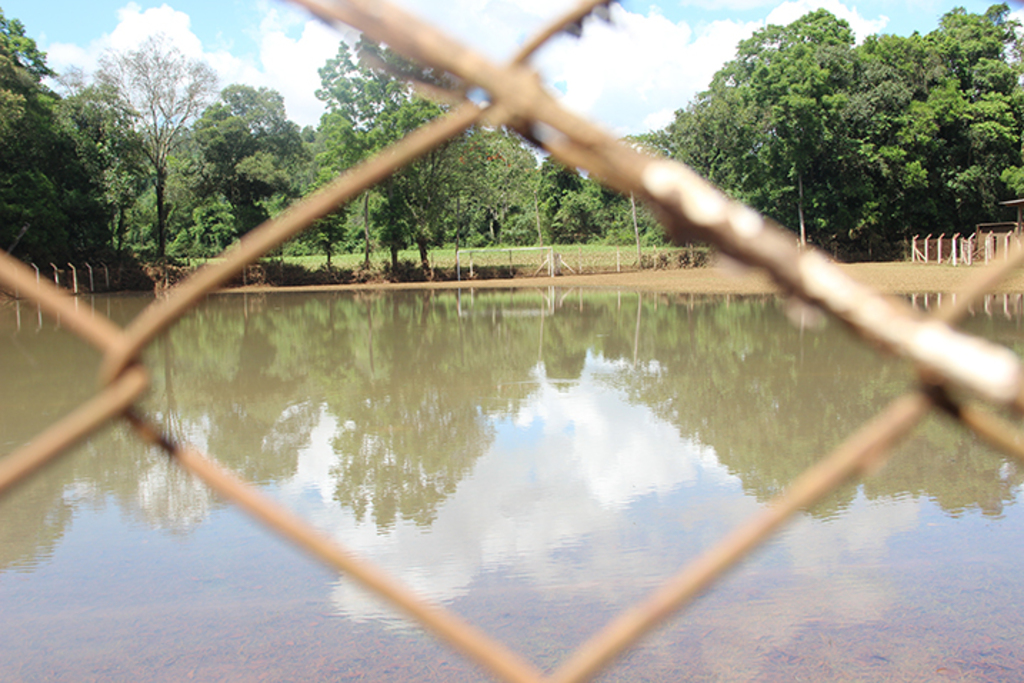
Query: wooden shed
[1019, 205]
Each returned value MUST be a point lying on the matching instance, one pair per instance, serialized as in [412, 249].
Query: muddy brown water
[536, 460]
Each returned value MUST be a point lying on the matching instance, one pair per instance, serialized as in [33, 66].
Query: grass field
[890, 278]
[588, 258]
[665, 269]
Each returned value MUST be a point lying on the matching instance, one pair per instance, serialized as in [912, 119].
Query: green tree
[338, 145]
[938, 120]
[370, 106]
[497, 184]
[251, 153]
[419, 198]
[977, 107]
[571, 205]
[107, 145]
[894, 130]
[165, 91]
[356, 97]
[862, 146]
[796, 79]
[22, 66]
[50, 208]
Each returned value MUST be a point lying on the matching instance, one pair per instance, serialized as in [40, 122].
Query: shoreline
[896, 278]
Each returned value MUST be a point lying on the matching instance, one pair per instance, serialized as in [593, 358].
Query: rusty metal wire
[688, 206]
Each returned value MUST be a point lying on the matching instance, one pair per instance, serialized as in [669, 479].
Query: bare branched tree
[165, 90]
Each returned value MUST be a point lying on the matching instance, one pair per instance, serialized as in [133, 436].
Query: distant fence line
[982, 246]
[530, 261]
[1010, 306]
[482, 263]
[70, 279]
[568, 259]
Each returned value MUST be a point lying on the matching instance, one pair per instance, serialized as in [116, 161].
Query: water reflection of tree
[33, 519]
[415, 420]
[228, 391]
[413, 381]
[404, 376]
[111, 468]
[45, 373]
[769, 400]
[946, 463]
[772, 399]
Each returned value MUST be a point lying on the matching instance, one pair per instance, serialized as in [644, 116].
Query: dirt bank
[890, 278]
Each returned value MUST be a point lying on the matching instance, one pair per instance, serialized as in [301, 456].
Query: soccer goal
[545, 260]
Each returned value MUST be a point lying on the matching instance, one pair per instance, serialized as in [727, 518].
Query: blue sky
[631, 75]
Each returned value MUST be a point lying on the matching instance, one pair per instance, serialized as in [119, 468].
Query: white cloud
[285, 63]
[495, 27]
[289, 65]
[1016, 15]
[737, 5]
[633, 74]
[595, 455]
[792, 10]
[134, 26]
[61, 56]
[630, 76]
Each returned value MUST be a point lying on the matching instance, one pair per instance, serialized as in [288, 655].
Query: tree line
[858, 147]
[855, 146]
[147, 158]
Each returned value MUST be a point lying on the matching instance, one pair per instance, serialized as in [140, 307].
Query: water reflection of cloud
[617, 451]
[554, 501]
[850, 553]
[562, 471]
[170, 498]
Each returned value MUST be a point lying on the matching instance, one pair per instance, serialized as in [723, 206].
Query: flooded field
[536, 460]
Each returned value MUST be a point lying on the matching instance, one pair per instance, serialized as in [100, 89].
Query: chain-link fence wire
[688, 207]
